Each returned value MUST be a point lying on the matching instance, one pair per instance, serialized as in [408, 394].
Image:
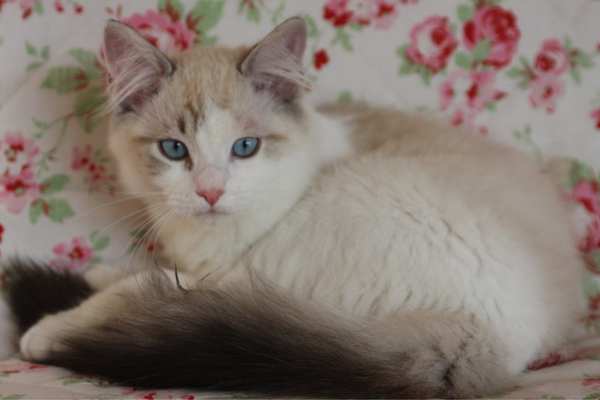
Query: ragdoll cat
[345, 251]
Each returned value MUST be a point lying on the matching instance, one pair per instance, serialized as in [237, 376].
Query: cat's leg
[101, 276]
[45, 336]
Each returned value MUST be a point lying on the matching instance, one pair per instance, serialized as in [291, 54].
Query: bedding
[525, 73]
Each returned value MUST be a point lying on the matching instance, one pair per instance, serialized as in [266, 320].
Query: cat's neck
[204, 245]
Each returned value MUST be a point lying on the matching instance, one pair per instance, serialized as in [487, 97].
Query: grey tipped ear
[135, 67]
[275, 63]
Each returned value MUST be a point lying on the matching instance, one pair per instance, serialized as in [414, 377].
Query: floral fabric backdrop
[526, 73]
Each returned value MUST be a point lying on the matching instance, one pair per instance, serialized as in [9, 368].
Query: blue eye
[173, 149]
[245, 147]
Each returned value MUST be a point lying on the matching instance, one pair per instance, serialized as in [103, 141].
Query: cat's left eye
[245, 147]
[173, 149]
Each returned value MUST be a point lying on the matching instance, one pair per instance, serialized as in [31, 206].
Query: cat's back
[426, 216]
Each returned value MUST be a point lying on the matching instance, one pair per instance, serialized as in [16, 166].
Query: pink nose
[211, 195]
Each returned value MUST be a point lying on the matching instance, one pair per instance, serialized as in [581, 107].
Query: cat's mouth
[211, 212]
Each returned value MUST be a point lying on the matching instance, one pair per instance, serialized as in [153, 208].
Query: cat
[331, 251]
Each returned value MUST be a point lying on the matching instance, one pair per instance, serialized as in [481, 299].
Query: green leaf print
[99, 242]
[86, 58]
[30, 49]
[36, 209]
[250, 9]
[313, 30]
[344, 97]
[464, 12]
[59, 210]
[463, 60]
[343, 38]
[87, 103]
[207, 13]
[65, 79]
[174, 8]
[54, 184]
[580, 172]
[482, 50]
[594, 259]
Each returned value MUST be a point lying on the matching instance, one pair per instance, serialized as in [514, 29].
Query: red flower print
[594, 303]
[1, 233]
[72, 255]
[431, 43]
[81, 157]
[545, 90]
[586, 194]
[591, 382]
[595, 115]
[321, 58]
[163, 32]
[78, 8]
[552, 58]
[380, 13]
[497, 25]
[58, 6]
[16, 191]
[96, 174]
[467, 94]
[550, 360]
[18, 185]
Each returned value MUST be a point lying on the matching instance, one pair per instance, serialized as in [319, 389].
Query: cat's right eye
[173, 149]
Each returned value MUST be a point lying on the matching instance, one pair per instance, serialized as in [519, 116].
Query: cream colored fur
[376, 214]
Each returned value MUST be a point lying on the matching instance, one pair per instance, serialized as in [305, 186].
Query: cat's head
[211, 132]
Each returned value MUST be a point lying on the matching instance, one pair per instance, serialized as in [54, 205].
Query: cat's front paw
[43, 338]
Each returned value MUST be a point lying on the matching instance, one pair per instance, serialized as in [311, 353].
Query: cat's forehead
[205, 79]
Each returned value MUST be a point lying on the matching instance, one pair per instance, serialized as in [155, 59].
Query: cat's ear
[136, 68]
[275, 63]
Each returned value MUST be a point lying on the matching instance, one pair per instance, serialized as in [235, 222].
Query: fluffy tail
[32, 291]
[258, 341]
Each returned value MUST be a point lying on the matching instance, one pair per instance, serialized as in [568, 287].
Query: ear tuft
[275, 63]
[135, 67]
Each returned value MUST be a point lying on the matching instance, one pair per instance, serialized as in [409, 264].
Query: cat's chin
[212, 212]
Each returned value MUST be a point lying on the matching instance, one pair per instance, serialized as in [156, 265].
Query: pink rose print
[16, 191]
[431, 43]
[586, 194]
[545, 90]
[380, 13]
[162, 31]
[497, 25]
[73, 255]
[552, 59]
[18, 149]
[595, 115]
[18, 186]
[467, 94]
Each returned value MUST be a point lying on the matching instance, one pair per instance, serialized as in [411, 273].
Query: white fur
[435, 221]
[471, 227]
